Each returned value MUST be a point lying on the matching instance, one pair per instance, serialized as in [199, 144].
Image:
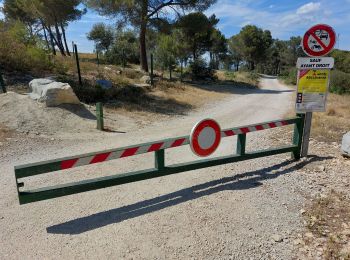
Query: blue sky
[284, 19]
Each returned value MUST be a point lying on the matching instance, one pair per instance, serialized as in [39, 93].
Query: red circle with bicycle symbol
[319, 40]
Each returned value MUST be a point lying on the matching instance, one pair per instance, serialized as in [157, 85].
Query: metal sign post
[314, 76]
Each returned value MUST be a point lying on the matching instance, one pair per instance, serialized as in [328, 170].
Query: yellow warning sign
[313, 81]
[312, 90]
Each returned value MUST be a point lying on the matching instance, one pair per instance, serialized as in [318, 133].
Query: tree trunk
[252, 66]
[65, 39]
[143, 30]
[51, 40]
[46, 39]
[59, 40]
[194, 53]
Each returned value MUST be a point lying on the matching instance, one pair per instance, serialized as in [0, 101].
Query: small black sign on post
[2, 84]
[78, 64]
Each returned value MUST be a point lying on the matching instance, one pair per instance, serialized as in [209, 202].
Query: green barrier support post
[99, 116]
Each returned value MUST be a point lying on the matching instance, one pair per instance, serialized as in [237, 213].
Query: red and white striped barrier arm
[159, 145]
[254, 128]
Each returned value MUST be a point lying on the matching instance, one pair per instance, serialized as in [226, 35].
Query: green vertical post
[2, 84]
[152, 75]
[159, 159]
[298, 136]
[78, 64]
[99, 116]
[241, 143]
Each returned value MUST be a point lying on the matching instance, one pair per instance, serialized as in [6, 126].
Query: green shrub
[230, 75]
[340, 82]
[200, 70]
[289, 75]
[20, 52]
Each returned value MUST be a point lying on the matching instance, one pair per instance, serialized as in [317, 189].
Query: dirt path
[247, 210]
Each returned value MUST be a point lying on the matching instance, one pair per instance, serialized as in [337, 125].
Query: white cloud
[309, 8]
[282, 24]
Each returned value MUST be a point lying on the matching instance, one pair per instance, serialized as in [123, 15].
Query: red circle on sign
[205, 137]
[319, 40]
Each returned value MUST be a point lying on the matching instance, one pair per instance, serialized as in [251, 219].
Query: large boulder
[145, 79]
[52, 93]
[346, 145]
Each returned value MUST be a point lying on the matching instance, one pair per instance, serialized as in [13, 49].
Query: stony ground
[259, 209]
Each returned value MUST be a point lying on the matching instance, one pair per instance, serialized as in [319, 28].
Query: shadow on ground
[149, 103]
[248, 180]
[238, 88]
[79, 110]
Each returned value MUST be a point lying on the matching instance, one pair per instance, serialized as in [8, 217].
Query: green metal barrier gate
[160, 169]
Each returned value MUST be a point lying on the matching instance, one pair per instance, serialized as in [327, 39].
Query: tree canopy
[140, 13]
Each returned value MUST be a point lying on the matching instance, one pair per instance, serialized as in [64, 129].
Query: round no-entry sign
[205, 137]
[319, 40]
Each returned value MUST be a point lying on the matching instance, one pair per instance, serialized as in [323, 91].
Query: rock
[297, 242]
[277, 238]
[302, 211]
[320, 168]
[345, 148]
[105, 84]
[309, 235]
[141, 85]
[52, 93]
[146, 79]
[346, 232]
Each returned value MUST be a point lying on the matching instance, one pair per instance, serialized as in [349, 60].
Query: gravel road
[247, 210]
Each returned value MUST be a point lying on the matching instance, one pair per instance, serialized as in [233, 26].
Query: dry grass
[328, 219]
[333, 124]
[240, 78]
[188, 94]
[166, 98]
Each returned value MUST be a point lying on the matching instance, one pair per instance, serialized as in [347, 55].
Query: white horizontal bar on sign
[315, 63]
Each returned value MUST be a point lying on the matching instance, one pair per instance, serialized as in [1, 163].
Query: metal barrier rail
[158, 147]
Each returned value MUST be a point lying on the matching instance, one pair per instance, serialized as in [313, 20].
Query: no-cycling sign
[319, 40]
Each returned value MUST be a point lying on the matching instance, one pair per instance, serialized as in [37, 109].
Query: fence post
[298, 136]
[182, 71]
[78, 64]
[99, 116]
[159, 159]
[2, 84]
[152, 76]
[241, 143]
[73, 56]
